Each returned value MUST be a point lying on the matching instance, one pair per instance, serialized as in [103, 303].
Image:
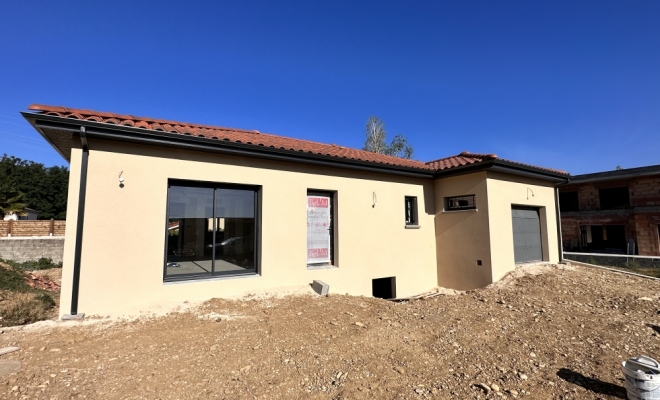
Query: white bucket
[642, 378]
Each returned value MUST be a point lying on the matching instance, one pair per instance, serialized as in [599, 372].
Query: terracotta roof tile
[256, 138]
[464, 158]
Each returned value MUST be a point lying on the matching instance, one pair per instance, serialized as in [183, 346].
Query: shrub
[19, 302]
[12, 279]
[46, 299]
[42, 263]
[25, 308]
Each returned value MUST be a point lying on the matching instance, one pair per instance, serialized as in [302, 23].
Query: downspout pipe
[79, 230]
[558, 214]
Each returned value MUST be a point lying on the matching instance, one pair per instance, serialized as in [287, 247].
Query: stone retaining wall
[21, 249]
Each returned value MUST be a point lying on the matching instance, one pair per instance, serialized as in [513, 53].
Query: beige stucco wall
[486, 234]
[123, 243]
[462, 237]
[505, 191]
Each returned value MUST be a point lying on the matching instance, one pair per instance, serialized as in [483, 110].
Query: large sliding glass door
[211, 230]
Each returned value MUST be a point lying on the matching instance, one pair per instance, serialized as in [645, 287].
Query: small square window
[411, 211]
[460, 203]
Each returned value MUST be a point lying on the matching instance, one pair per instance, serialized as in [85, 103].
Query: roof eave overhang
[616, 175]
[33, 121]
[504, 167]
[44, 123]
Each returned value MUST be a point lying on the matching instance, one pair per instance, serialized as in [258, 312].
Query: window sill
[315, 267]
[174, 281]
[458, 211]
[413, 226]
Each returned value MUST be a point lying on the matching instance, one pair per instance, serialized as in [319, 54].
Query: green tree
[11, 201]
[376, 140]
[45, 189]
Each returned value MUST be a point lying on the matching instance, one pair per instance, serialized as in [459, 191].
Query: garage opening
[384, 288]
[526, 234]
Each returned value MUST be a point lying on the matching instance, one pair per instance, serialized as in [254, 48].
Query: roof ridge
[465, 154]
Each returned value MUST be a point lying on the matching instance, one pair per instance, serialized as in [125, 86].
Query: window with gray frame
[457, 203]
[211, 230]
[411, 211]
[321, 227]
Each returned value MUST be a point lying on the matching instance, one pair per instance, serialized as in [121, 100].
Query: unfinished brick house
[606, 212]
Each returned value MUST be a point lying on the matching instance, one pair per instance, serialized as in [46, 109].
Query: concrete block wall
[570, 233]
[588, 198]
[645, 192]
[21, 249]
[570, 226]
[641, 225]
[646, 225]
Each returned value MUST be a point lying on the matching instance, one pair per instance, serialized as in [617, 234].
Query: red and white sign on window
[318, 229]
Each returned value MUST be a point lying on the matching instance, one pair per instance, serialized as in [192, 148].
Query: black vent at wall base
[384, 288]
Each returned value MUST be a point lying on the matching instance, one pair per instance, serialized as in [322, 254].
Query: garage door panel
[527, 244]
[525, 213]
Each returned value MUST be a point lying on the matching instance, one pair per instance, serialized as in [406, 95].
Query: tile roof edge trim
[148, 136]
[625, 173]
[503, 166]
[253, 137]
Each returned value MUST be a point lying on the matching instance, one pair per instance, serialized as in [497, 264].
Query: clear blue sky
[566, 84]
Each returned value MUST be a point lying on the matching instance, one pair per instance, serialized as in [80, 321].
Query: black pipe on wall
[79, 222]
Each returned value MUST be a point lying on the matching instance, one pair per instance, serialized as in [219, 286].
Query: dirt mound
[529, 270]
[545, 333]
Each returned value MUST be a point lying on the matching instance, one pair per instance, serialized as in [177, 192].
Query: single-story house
[30, 215]
[203, 211]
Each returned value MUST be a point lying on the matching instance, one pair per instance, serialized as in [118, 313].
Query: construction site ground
[543, 332]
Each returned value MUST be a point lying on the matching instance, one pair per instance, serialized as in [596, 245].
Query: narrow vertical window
[320, 228]
[411, 211]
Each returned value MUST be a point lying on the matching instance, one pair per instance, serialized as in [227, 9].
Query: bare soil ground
[557, 333]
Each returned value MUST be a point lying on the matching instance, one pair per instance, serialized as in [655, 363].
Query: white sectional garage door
[526, 234]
